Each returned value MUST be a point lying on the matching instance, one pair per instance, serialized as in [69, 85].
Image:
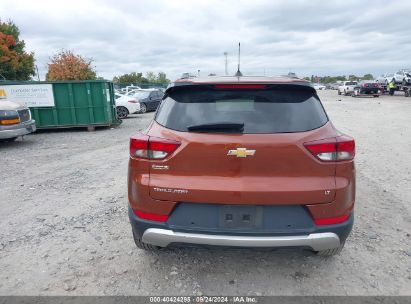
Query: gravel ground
[64, 228]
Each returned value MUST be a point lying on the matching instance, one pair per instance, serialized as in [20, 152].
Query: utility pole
[226, 63]
[38, 76]
[238, 73]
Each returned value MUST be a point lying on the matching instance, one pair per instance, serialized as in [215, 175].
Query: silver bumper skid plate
[316, 241]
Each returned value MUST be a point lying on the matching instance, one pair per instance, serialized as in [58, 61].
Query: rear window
[261, 111]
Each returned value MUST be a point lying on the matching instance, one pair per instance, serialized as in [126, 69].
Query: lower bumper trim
[316, 241]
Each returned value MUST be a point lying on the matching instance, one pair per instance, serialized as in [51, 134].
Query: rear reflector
[340, 148]
[151, 216]
[144, 146]
[240, 86]
[332, 220]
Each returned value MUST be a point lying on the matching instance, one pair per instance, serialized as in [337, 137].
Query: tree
[68, 66]
[162, 78]
[151, 77]
[368, 77]
[132, 78]
[15, 62]
[138, 78]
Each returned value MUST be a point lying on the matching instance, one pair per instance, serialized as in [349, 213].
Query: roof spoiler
[219, 86]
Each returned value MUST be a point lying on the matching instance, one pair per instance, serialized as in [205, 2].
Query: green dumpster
[66, 104]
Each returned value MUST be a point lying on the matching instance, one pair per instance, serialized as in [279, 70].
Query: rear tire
[331, 252]
[339, 92]
[141, 245]
[122, 112]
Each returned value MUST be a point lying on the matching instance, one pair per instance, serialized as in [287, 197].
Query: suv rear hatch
[242, 146]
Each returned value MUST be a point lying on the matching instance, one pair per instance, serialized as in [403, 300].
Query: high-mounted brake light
[144, 146]
[151, 216]
[340, 148]
[240, 86]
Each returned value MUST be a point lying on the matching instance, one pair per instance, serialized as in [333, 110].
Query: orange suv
[243, 162]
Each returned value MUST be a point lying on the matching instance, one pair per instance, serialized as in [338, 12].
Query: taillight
[133, 101]
[144, 146]
[332, 220]
[151, 216]
[160, 148]
[340, 148]
[139, 146]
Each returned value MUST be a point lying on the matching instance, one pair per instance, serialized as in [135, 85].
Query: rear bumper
[135, 108]
[371, 91]
[17, 130]
[313, 237]
[315, 241]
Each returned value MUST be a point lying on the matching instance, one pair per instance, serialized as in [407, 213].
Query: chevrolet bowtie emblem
[241, 152]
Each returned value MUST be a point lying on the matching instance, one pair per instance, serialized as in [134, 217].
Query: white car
[319, 86]
[126, 105]
[385, 79]
[347, 87]
[403, 77]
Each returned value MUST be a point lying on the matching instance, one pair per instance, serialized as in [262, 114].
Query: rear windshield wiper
[217, 127]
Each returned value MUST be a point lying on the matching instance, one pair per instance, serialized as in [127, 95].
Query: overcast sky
[306, 37]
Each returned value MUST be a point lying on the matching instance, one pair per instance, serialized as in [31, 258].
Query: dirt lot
[64, 226]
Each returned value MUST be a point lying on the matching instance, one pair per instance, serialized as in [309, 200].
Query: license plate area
[241, 217]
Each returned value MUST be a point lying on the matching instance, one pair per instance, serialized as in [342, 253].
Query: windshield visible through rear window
[261, 111]
[141, 94]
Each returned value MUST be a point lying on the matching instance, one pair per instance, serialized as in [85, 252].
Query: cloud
[307, 37]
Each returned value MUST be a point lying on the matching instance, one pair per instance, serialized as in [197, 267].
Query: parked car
[319, 86]
[149, 99]
[129, 88]
[15, 120]
[347, 87]
[244, 162]
[403, 77]
[333, 86]
[126, 105]
[384, 79]
[368, 87]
